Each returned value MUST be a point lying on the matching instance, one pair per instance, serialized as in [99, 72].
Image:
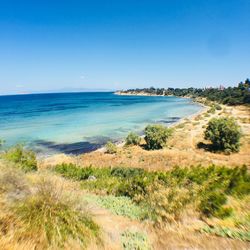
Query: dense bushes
[73, 172]
[156, 136]
[23, 158]
[126, 172]
[224, 134]
[133, 139]
[211, 203]
[166, 194]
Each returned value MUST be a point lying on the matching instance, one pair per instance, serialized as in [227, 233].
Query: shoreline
[121, 142]
[191, 118]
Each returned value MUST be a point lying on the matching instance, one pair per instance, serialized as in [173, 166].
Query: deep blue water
[80, 122]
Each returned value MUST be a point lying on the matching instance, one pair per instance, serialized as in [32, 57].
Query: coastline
[182, 148]
[191, 118]
[120, 143]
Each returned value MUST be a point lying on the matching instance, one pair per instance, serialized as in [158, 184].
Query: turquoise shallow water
[81, 122]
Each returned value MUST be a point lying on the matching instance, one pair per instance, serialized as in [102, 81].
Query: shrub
[217, 106]
[52, 219]
[212, 202]
[166, 203]
[227, 232]
[102, 185]
[126, 172]
[111, 148]
[133, 139]
[156, 136]
[23, 158]
[132, 239]
[135, 187]
[212, 110]
[224, 134]
[74, 172]
[122, 206]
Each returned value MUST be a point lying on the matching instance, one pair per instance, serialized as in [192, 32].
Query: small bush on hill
[224, 133]
[212, 110]
[132, 239]
[156, 136]
[119, 205]
[111, 148]
[127, 172]
[133, 139]
[136, 187]
[102, 185]
[23, 158]
[217, 106]
[74, 172]
[212, 202]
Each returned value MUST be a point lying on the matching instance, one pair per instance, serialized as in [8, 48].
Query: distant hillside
[231, 95]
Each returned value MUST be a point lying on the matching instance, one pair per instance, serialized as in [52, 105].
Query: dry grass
[37, 212]
[182, 148]
[20, 193]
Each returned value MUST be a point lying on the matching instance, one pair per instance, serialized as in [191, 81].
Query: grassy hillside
[67, 206]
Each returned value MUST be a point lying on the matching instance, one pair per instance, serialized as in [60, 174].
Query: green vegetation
[231, 95]
[156, 136]
[212, 110]
[73, 172]
[133, 139]
[224, 134]
[47, 211]
[111, 148]
[37, 213]
[122, 206]
[132, 239]
[217, 106]
[227, 232]
[164, 196]
[166, 204]
[23, 158]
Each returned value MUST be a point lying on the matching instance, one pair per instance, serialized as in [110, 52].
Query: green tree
[156, 136]
[111, 148]
[133, 139]
[224, 133]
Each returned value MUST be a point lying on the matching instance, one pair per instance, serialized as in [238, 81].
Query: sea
[74, 123]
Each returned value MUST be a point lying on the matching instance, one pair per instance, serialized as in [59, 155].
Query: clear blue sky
[56, 44]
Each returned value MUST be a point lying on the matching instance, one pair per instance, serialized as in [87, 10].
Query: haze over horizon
[54, 45]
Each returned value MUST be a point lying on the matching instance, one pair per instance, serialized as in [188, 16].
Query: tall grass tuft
[51, 219]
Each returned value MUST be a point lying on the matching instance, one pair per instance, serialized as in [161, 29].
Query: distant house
[221, 87]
